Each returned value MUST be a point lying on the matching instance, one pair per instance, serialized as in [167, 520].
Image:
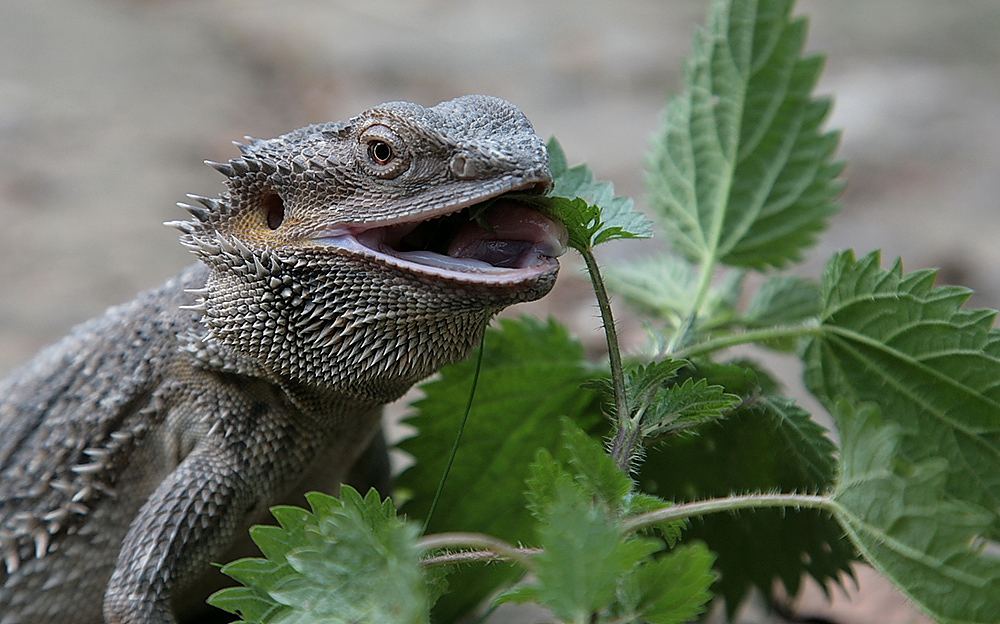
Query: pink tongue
[521, 237]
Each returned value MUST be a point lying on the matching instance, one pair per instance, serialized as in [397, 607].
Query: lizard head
[364, 255]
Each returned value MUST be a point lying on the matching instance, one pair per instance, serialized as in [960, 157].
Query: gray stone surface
[107, 108]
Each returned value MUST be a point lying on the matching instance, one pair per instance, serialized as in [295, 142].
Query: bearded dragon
[340, 267]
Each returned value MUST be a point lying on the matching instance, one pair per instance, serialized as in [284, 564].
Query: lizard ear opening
[274, 210]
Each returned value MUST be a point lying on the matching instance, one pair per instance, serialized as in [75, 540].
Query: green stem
[728, 503]
[682, 333]
[622, 449]
[750, 336]
[490, 549]
[461, 429]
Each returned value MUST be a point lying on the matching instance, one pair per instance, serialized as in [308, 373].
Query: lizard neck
[329, 341]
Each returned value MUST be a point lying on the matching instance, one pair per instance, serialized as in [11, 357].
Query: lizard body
[339, 268]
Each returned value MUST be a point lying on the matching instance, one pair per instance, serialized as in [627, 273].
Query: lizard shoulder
[73, 413]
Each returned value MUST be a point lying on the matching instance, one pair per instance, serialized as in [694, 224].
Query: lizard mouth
[499, 240]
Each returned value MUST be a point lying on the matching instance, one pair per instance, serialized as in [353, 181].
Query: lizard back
[71, 416]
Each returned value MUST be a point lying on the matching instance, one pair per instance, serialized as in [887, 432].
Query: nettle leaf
[642, 382]
[531, 376]
[681, 407]
[932, 367]
[351, 561]
[583, 462]
[661, 286]
[589, 208]
[589, 568]
[584, 555]
[594, 470]
[766, 443]
[783, 300]
[742, 171]
[664, 286]
[664, 407]
[906, 523]
[670, 589]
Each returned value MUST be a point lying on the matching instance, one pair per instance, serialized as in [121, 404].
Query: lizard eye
[382, 152]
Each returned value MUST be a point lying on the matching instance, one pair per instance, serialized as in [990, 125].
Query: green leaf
[742, 171]
[642, 382]
[766, 443]
[275, 541]
[349, 561]
[783, 300]
[681, 407]
[545, 476]
[589, 208]
[661, 406]
[932, 367]
[586, 465]
[584, 555]
[595, 471]
[531, 376]
[663, 286]
[251, 605]
[670, 589]
[589, 570]
[905, 522]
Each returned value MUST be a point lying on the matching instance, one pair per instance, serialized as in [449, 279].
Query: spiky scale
[268, 166]
[240, 166]
[226, 245]
[185, 227]
[198, 212]
[242, 249]
[261, 272]
[224, 168]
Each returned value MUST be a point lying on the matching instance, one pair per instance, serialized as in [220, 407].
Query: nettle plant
[635, 490]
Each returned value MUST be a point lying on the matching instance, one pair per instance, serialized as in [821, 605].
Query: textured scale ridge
[339, 267]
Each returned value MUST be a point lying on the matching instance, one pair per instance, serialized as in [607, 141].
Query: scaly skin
[138, 449]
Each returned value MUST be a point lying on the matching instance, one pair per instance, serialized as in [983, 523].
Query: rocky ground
[108, 107]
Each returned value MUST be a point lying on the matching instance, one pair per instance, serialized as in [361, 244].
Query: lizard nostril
[274, 209]
[463, 167]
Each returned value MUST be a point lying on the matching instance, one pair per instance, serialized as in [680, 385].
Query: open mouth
[499, 240]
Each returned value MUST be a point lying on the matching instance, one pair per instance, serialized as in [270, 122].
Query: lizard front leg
[188, 521]
[259, 449]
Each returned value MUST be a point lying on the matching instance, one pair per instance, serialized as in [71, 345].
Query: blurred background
[108, 107]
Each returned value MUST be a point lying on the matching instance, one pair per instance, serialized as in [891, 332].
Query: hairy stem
[728, 503]
[489, 548]
[624, 441]
[746, 337]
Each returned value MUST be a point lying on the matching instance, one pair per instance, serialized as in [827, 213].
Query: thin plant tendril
[458, 436]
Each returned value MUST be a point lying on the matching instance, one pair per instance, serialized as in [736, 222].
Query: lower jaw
[432, 266]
